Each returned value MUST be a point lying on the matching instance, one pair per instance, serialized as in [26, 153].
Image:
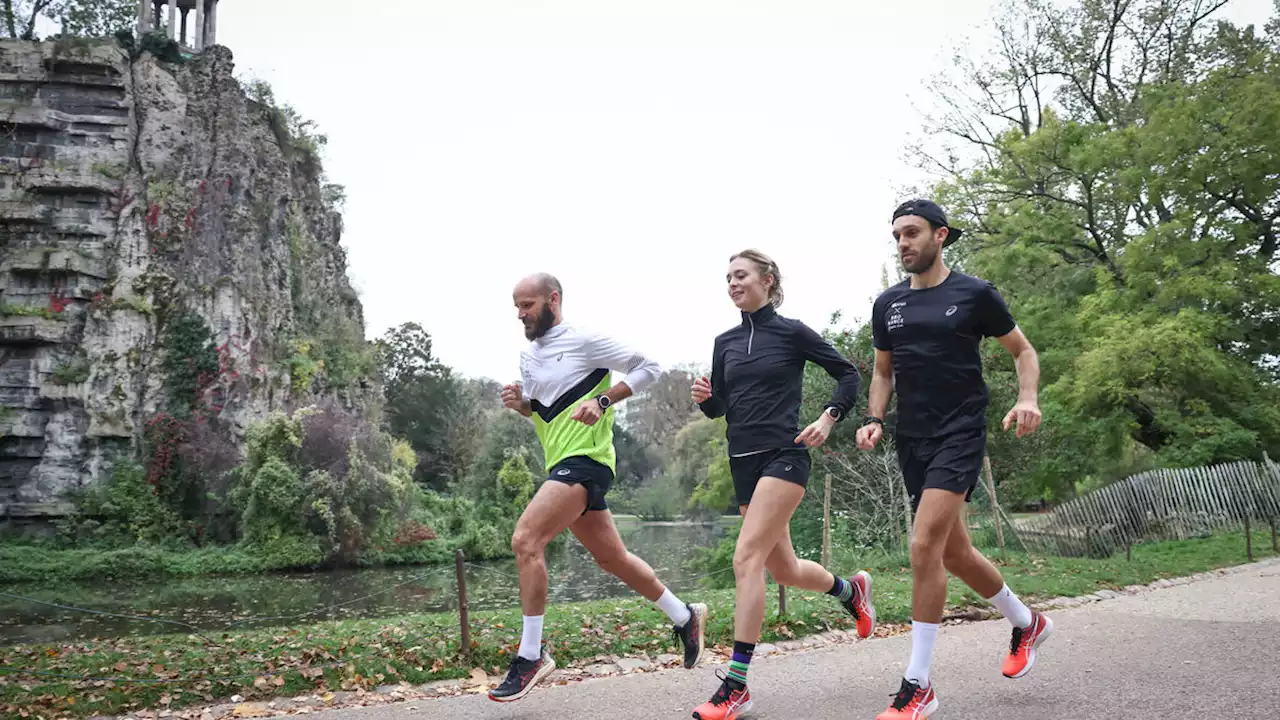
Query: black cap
[929, 210]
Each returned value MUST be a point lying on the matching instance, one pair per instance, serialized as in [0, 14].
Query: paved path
[1208, 649]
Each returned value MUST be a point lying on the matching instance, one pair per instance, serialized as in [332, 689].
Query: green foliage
[695, 447]
[97, 18]
[73, 372]
[506, 433]
[18, 310]
[302, 367]
[715, 493]
[659, 499]
[123, 510]
[428, 406]
[1132, 225]
[326, 477]
[190, 360]
[329, 346]
[299, 138]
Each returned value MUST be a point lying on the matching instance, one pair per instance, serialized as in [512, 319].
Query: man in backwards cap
[926, 332]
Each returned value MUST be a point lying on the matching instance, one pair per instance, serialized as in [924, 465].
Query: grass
[350, 654]
[29, 563]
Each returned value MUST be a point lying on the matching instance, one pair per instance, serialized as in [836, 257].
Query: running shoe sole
[871, 608]
[542, 673]
[745, 708]
[700, 616]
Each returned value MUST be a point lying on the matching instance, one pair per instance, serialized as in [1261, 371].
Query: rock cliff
[140, 199]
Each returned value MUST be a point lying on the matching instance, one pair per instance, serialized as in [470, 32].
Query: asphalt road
[1208, 649]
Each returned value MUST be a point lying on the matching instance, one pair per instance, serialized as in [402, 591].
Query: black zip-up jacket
[757, 378]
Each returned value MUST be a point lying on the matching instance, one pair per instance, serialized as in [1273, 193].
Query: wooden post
[995, 504]
[1128, 552]
[1248, 538]
[906, 514]
[462, 606]
[1275, 546]
[782, 594]
[826, 524]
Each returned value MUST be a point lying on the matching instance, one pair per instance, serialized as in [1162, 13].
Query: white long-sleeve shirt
[566, 366]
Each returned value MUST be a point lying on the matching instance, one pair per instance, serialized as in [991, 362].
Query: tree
[636, 463]
[423, 402]
[506, 433]
[83, 18]
[1120, 190]
[98, 18]
[694, 448]
[657, 414]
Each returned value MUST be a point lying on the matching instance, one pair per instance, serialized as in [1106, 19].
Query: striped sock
[742, 652]
[841, 588]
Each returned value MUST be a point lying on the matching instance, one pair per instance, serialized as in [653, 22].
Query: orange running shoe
[1022, 649]
[911, 703]
[728, 703]
[859, 604]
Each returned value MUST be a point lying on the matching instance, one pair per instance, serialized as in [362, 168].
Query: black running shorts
[596, 477]
[949, 462]
[790, 464]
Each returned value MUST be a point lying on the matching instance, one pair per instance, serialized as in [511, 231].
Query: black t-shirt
[933, 334]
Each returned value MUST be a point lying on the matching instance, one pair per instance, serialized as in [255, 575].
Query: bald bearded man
[567, 388]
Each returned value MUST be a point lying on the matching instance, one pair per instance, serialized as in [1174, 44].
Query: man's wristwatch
[834, 412]
[603, 401]
[872, 419]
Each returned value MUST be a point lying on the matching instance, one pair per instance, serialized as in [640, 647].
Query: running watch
[834, 412]
[603, 401]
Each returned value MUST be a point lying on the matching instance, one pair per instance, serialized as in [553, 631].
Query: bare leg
[787, 569]
[598, 534]
[772, 504]
[552, 510]
[964, 561]
[935, 520]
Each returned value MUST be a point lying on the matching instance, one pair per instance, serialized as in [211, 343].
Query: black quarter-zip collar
[768, 312]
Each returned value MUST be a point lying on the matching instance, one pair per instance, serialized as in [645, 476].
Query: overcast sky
[628, 148]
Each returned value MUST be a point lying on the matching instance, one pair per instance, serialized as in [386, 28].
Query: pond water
[211, 603]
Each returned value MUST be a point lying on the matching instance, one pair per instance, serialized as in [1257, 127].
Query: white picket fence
[1167, 504]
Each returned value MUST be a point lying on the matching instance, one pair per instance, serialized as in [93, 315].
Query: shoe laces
[905, 694]
[725, 693]
[1017, 640]
[518, 664]
[852, 602]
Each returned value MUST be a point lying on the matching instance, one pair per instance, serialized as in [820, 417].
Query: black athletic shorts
[948, 462]
[596, 477]
[790, 464]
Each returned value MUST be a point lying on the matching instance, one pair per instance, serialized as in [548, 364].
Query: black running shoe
[522, 676]
[692, 633]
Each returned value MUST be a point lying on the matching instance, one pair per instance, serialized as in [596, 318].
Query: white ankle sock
[531, 641]
[923, 636]
[674, 608]
[1011, 607]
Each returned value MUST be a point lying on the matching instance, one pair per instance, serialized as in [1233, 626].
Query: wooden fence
[1168, 504]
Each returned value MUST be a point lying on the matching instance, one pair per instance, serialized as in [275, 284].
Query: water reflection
[252, 601]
